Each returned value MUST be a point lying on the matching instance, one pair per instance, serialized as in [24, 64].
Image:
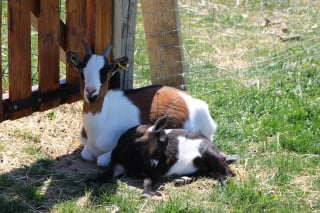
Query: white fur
[199, 117]
[154, 162]
[104, 159]
[188, 150]
[92, 74]
[105, 128]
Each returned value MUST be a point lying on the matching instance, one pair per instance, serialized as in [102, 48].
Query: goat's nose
[90, 90]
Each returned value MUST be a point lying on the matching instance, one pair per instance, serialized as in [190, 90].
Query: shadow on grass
[47, 183]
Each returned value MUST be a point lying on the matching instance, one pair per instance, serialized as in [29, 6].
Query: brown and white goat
[153, 152]
[108, 113]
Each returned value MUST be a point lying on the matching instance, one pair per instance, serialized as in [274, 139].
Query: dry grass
[54, 132]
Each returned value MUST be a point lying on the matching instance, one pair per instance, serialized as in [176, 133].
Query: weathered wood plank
[124, 27]
[75, 31]
[48, 49]
[163, 35]
[103, 25]
[19, 45]
[103, 32]
[62, 38]
[90, 31]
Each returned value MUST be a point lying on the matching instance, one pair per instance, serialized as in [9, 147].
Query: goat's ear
[73, 59]
[122, 63]
[160, 124]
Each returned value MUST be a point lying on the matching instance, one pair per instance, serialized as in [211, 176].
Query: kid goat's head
[152, 141]
[95, 70]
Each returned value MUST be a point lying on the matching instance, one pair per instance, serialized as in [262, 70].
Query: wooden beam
[48, 49]
[124, 27]
[163, 35]
[19, 45]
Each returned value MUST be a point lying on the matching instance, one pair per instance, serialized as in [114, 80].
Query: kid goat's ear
[160, 124]
[73, 59]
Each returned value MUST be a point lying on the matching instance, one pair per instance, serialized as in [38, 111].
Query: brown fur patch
[146, 138]
[156, 101]
[84, 133]
[96, 106]
[153, 146]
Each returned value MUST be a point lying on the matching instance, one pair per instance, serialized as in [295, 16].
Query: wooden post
[124, 27]
[19, 45]
[48, 44]
[163, 35]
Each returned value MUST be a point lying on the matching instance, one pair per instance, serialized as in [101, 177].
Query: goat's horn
[106, 52]
[86, 46]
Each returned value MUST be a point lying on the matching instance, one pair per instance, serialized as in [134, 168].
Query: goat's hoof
[148, 194]
[182, 181]
[161, 187]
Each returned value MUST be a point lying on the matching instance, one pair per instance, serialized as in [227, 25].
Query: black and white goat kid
[154, 152]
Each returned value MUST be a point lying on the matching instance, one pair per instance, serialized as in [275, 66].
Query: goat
[152, 152]
[107, 113]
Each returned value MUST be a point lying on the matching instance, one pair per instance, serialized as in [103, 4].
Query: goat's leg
[229, 158]
[106, 176]
[104, 159]
[147, 188]
[182, 180]
[86, 154]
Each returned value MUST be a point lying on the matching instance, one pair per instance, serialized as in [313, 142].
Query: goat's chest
[117, 115]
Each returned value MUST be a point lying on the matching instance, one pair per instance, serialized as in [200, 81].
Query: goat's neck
[97, 105]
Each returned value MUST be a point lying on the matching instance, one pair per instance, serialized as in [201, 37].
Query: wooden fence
[91, 20]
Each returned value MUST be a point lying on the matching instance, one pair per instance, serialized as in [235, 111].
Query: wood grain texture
[19, 46]
[48, 49]
[76, 29]
[163, 35]
[103, 25]
[124, 29]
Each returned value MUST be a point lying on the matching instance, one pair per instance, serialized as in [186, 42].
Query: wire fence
[34, 45]
[244, 41]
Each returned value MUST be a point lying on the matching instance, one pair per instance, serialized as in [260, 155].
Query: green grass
[264, 95]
